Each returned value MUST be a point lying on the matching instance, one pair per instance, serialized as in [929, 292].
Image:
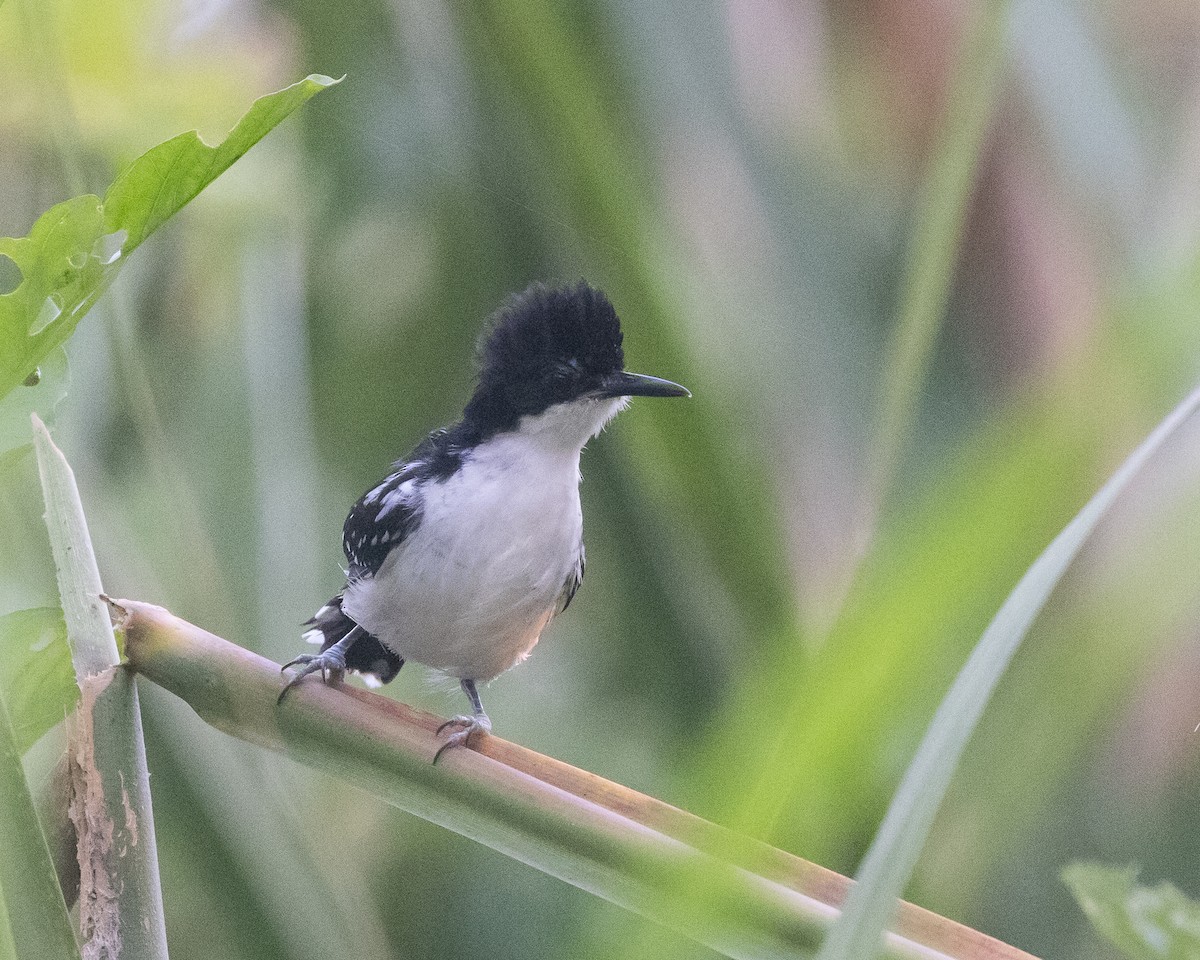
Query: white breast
[472, 588]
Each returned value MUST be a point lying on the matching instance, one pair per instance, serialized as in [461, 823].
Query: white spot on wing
[313, 636]
[396, 498]
[377, 492]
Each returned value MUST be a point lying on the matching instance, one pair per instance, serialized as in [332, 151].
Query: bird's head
[554, 353]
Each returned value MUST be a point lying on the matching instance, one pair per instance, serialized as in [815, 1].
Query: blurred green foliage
[743, 179]
[38, 679]
[1143, 922]
[34, 914]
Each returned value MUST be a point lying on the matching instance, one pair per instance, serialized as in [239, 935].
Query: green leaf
[37, 914]
[36, 677]
[62, 276]
[167, 178]
[1145, 923]
[76, 248]
[893, 854]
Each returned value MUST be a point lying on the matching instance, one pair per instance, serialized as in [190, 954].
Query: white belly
[471, 589]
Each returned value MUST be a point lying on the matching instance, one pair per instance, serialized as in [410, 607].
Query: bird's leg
[477, 722]
[331, 661]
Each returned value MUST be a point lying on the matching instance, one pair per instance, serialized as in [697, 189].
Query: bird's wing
[381, 519]
[572, 584]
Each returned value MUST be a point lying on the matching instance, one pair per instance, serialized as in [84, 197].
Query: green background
[744, 180]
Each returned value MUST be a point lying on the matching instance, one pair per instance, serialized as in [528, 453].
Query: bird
[463, 554]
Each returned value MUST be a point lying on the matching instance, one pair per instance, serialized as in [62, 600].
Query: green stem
[93, 646]
[622, 846]
[120, 897]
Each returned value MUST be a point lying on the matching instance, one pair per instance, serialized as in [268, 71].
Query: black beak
[623, 384]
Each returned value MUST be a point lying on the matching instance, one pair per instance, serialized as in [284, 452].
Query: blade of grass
[889, 660]
[893, 854]
[934, 243]
[37, 914]
[620, 845]
[120, 898]
[89, 632]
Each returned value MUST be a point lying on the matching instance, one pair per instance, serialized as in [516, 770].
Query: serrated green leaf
[76, 248]
[1144, 923]
[164, 180]
[36, 676]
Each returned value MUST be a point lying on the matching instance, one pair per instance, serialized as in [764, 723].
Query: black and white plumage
[463, 554]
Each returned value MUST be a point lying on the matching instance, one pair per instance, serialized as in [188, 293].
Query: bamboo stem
[621, 845]
[120, 896]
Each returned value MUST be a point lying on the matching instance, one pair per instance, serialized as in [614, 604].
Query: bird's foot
[467, 727]
[331, 663]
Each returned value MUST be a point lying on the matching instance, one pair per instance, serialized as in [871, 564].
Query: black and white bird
[464, 553]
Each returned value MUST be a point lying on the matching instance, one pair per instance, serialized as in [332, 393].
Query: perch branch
[618, 844]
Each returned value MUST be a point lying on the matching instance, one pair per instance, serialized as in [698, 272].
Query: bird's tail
[367, 655]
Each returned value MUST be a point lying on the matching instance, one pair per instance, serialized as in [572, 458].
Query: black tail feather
[367, 655]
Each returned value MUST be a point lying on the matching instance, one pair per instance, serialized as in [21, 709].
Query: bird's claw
[331, 665]
[468, 727]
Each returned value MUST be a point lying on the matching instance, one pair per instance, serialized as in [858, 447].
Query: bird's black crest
[543, 325]
[544, 346]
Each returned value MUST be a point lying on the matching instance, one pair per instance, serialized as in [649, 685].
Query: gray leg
[331, 662]
[476, 723]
